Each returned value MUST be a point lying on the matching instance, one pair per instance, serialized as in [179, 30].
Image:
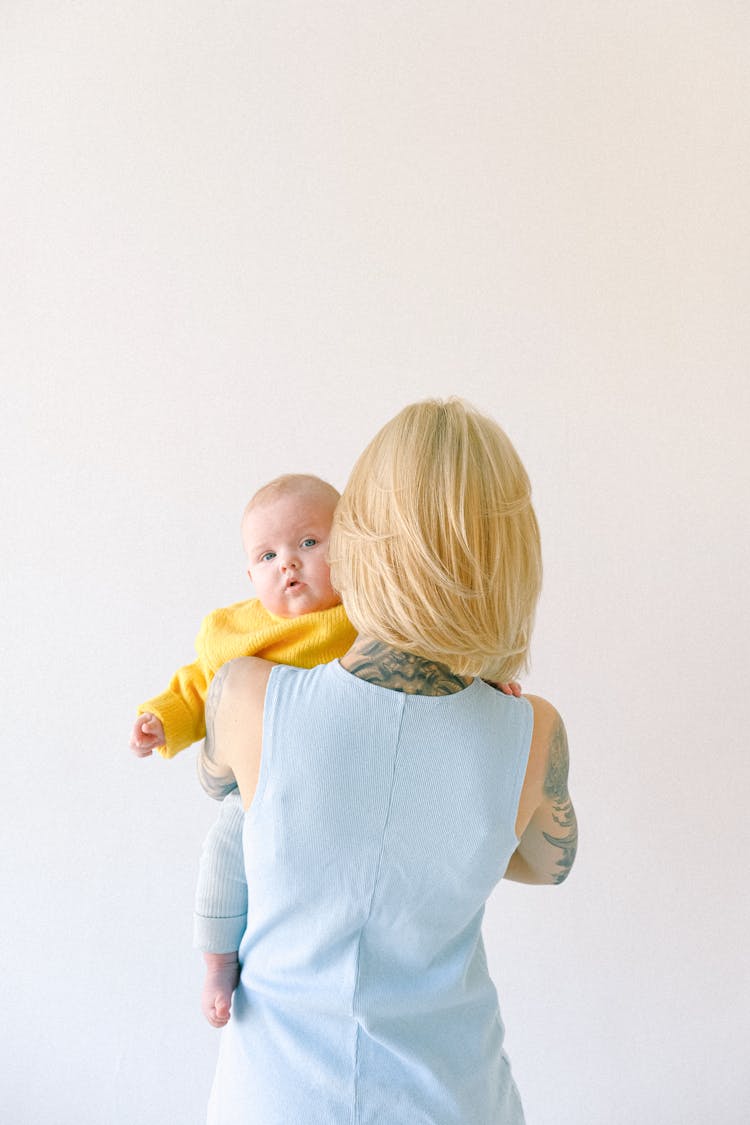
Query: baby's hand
[147, 734]
[507, 689]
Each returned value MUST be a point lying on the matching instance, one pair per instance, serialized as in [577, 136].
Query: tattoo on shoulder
[213, 699]
[563, 814]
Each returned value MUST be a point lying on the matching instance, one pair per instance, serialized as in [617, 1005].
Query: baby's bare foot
[222, 976]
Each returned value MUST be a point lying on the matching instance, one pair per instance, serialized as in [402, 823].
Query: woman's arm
[234, 723]
[547, 826]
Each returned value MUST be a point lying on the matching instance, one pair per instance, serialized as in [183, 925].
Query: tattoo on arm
[213, 699]
[563, 814]
[216, 780]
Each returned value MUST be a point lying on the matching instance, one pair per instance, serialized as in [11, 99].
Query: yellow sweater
[243, 629]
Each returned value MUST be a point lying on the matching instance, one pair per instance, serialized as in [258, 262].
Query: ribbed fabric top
[380, 825]
[221, 893]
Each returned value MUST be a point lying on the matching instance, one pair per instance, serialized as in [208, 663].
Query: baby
[297, 619]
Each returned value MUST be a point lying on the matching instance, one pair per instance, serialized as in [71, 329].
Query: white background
[237, 238]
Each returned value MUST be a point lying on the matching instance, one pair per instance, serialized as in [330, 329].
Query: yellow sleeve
[181, 707]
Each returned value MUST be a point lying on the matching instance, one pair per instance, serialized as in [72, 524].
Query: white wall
[241, 236]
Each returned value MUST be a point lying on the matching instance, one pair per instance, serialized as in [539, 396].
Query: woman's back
[380, 824]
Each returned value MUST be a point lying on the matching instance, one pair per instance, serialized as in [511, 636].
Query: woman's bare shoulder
[546, 716]
[543, 709]
[245, 673]
[235, 696]
[234, 720]
[548, 749]
[548, 737]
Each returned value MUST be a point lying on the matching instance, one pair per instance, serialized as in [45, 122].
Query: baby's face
[286, 540]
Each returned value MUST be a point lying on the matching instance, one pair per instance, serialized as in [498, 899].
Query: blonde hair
[435, 546]
[301, 484]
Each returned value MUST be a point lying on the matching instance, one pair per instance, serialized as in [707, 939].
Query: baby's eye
[268, 556]
[309, 542]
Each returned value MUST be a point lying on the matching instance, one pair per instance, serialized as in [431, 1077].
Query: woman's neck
[388, 667]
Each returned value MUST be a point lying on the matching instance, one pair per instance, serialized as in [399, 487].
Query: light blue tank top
[380, 825]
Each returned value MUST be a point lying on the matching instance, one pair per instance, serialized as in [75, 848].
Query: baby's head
[285, 530]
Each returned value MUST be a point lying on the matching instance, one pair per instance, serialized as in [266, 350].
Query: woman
[388, 793]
